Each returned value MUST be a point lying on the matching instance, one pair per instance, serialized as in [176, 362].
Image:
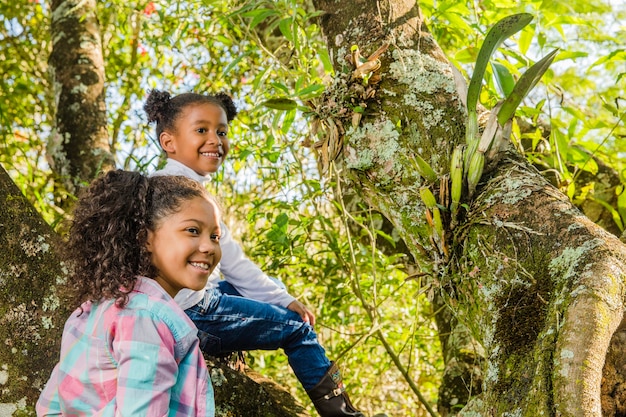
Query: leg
[244, 324]
[330, 397]
[226, 287]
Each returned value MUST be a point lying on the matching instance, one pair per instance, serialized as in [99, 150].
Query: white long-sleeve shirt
[235, 266]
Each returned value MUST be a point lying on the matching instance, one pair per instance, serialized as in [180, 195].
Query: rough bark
[79, 146]
[245, 393]
[545, 293]
[416, 93]
[32, 307]
[539, 285]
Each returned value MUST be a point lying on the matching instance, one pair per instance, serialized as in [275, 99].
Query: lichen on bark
[31, 306]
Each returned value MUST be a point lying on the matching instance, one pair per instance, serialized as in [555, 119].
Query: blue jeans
[228, 322]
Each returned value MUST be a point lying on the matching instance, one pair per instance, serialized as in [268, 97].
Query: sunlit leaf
[280, 104]
[503, 78]
[526, 83]
[502, 30]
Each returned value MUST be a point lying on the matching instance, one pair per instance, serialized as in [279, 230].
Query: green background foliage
[270, 56]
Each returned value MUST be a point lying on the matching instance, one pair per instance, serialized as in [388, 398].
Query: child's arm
[246, 276]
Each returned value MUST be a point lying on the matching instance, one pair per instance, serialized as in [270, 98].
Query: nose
[207, 245]
[210, 246]
[214, 138]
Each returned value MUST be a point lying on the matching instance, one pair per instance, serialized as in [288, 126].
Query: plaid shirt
[142, 360]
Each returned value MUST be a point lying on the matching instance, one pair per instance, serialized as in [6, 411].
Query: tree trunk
[545, 295]
[79, 146]
[539, 285]
[32, 306]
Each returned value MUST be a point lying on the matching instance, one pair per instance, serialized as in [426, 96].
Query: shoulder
[163, 311]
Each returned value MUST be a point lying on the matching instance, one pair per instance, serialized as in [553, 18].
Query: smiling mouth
[201, 265]
[211, 154]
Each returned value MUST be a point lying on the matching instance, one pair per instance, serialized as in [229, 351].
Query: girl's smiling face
[185, 246]
[200, 139]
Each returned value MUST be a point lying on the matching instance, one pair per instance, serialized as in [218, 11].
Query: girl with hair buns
[129, 349]
[247, 310]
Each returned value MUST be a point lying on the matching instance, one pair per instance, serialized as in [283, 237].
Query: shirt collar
[151, 287]
[178, 168]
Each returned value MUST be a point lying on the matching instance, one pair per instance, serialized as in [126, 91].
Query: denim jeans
[228, 322]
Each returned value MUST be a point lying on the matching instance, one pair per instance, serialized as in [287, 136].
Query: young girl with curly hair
[129, 349]
[246, 310]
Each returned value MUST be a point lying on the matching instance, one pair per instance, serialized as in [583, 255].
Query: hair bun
[156, 103]
[228, 104]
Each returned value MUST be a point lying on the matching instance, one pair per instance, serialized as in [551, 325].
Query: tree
[79, 147]
[539, 285]
[519, 272]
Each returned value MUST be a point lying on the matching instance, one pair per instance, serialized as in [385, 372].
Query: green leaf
[559, 140]
[496, 35]
[260, 15]
[621, 204]
[285, 28]
[504, 79]
[234, 63]
[281, 221]
[465, 56]
[326, 62]
[618, 56]
[288, 121]
[525, 39]
[423, 168]
[526, 83]
[313, 90]
[280, 104]
[582, 160]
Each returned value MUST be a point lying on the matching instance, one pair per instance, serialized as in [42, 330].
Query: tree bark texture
[535, 282]
[32, 305]
[544, 287]
[417, 93]
[79, 147]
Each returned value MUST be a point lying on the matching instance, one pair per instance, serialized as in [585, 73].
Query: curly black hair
[164, 109]
[106, 247]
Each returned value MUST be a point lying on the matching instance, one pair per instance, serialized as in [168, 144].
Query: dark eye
[201, 130]
[223, 133]
[215, 237]
[193, 230]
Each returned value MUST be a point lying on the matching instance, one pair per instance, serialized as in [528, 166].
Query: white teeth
[213, 154]
[200, 265]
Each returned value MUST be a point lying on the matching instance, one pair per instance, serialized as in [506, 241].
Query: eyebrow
[203, 122]
[200, 222]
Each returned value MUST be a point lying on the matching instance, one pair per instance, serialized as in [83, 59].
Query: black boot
[329, 396]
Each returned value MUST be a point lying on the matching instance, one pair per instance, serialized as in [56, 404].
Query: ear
[166, 139]
[149, 241]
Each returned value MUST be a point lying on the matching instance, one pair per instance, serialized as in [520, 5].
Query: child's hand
[306, 314]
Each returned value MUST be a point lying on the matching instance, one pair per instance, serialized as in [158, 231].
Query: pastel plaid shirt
[142, 360]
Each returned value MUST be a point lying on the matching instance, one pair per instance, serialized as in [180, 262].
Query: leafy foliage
[583, 95]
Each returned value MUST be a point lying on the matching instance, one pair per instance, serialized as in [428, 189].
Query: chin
[206, 172]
